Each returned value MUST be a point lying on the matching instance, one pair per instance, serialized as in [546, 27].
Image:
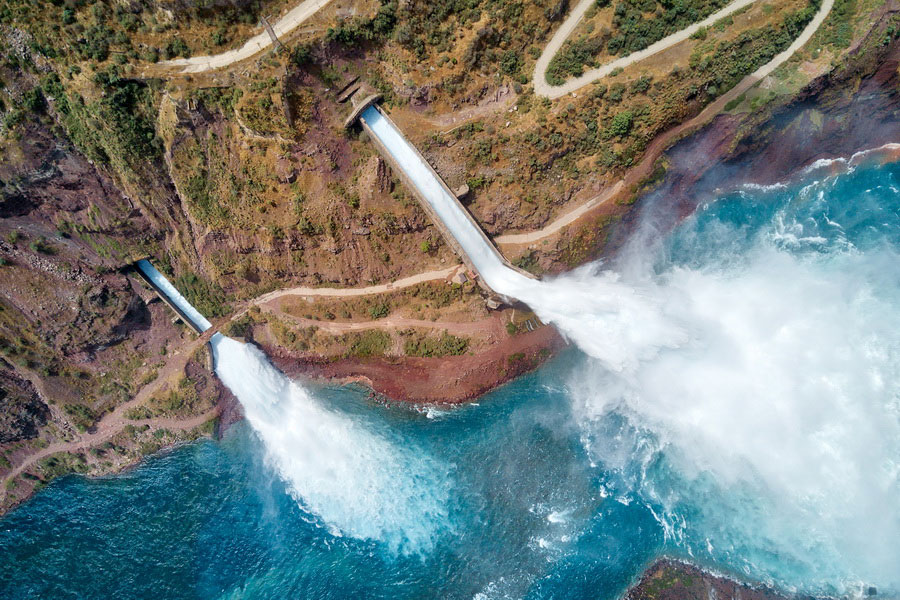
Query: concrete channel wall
[162, 295]
[208, 351]
[429, 210]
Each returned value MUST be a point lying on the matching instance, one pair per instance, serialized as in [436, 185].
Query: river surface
[743, 412]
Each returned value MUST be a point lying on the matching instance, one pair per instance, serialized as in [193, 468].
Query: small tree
[621, 124]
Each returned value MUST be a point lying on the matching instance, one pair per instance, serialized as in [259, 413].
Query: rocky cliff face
[64, 233]
[673, 580]
[226, 207]
[22, 412]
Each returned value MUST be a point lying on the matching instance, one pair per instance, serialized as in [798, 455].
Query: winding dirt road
[366, 291]
[542, 88]
[567, 219]
[258, 43]
[489, 325]
[113, 423]
[660, 143]
[539, 78]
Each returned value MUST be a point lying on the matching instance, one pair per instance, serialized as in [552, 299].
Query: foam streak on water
[767, 381]
[769, 384]
[762, 375]
[347, 473]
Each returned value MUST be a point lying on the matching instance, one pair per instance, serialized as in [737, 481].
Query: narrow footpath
[114, 422]
[256, 44]
[365, 291]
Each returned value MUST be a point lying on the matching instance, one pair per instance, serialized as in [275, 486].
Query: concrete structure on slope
[401, 170]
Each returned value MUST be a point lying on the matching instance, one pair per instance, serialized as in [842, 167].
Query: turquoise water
[730, 448]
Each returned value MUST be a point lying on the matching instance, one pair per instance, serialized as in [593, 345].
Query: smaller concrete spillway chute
[172, 297]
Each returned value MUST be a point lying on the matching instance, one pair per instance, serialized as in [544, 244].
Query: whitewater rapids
[749, 389]
[764, 373]
[353, 477]
[768, 382]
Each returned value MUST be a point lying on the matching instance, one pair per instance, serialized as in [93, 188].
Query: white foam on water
[787, 390]
[778, 377]
[357, 480]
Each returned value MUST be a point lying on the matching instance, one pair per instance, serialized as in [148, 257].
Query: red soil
[445, 380]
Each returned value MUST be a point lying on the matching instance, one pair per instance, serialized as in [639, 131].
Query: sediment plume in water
[351, 476]
[766, 366]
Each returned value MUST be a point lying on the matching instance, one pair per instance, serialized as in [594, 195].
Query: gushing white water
[356, 479]
[785, 388]
[778, 376]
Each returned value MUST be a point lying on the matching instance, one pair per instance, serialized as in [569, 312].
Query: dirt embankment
[851, 109]
[439, 380]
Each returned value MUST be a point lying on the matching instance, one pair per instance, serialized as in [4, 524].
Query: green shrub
[42, 246]
[206, 296]
[82, 416]
[572, 58]
[642, 84]
[620, 124]
[527, 261]
[380, 310]
[361, 29]
[62, 463]
[95, 43]
[445, 345]
[34, 101]
[367, 344]
[509, 63]
[218, 37]
[177, 47]
[120, 124]
[616, 92]
[734, 102]
[302, 55]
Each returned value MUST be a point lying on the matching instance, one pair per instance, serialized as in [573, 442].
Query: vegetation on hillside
[104, 30]
[636, 24]
[610, 126]
[447, 344]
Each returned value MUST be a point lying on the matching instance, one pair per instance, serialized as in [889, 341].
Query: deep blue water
[549, 498]
[208, 520]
